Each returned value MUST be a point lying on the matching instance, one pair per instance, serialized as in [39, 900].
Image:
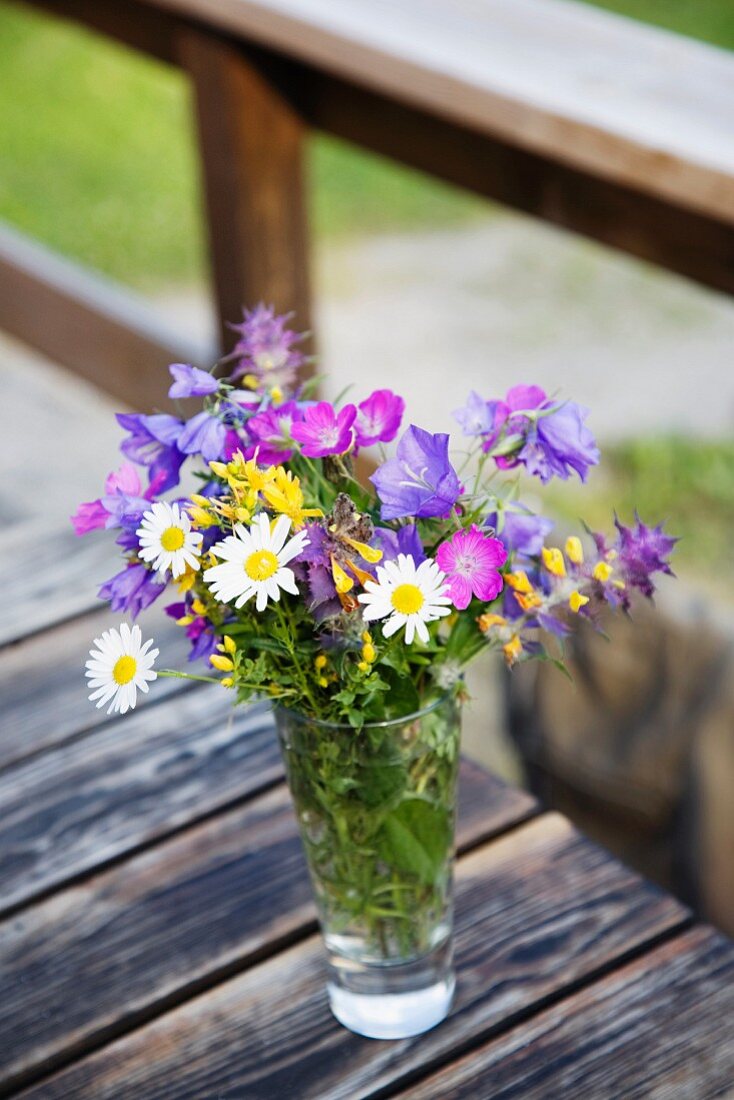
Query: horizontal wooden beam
[660, 230]
[101, 331]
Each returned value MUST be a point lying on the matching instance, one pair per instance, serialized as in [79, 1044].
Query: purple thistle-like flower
[642, 551]
[204, 434]
[266, 348]
[270, 431]
[324, 431]
[378, 418]
[191, 382]
[406, 540]
[522, 532]
[131, 590]
[420, 481]
[153, 443]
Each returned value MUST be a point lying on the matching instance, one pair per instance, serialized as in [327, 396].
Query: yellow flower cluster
[248, 483]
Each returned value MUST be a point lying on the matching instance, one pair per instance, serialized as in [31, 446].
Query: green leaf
[382, 778]
[416, 838]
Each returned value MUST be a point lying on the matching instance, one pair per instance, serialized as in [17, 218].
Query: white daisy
[119, 666]
[255, 562]
[410, 595]
[166, 539]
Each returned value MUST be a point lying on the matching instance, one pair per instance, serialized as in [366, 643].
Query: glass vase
[376, 810]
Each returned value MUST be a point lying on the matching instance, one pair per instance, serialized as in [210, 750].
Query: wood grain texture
[633, 104]
[67, 811]
[33, 720]
[251, 142]
[94, 959]
[659, 1028]
[61, 576]
[537, 911]
[659, 230]
[83, 321]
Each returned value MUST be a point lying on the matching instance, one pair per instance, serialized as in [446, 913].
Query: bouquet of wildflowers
[353, 605]
[345, 601]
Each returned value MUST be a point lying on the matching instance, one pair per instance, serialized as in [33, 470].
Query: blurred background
[432, 292]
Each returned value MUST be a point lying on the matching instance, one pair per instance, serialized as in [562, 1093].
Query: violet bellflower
[204, 435]
[93, 514]
[549, 438]
[191, 382]
[420, 481]
[324, 431]
[378, 418]
[131, 590]
[153, 443]
[266, 349]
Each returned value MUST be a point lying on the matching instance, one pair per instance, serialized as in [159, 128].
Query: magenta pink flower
[379, 417]
[471, 562]
[323, 431]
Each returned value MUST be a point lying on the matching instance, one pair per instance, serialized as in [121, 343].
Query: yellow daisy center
[124, 670]
[407, 599]
[172, 538]
[261, 565]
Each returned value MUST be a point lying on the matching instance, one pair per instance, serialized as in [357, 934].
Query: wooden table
[157, 937]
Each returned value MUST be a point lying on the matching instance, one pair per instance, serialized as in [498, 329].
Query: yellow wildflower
[553, 561]
[363, 666]
[602, 571]
[186, 581]
[227, 682]
[518, 581]
[320, 662]
[489, 619]
[285, 495]
[368, 653]
[229, 644]
[222, 663]
[574, 550]
[342, 580]
[512, 650]
[576, 601]
[528, 600]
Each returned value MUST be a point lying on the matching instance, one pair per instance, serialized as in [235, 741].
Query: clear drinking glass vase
[376, 810]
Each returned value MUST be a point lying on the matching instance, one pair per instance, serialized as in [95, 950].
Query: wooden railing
[614, 130]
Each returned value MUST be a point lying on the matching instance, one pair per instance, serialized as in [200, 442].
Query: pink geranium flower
[471, 561]
[378, 418]
[323, 431]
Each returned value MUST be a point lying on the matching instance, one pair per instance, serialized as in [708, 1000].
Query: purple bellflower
[153, 443]
[191, 382]
[420, 481]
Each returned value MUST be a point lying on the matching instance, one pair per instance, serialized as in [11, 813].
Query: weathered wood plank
[68, 811]
[33, 720]
[83, 321]
[537, 911]
[613, 98]
[696, 245]
[60, 577]
[658, 1028]
[251, 139]
[93, 959]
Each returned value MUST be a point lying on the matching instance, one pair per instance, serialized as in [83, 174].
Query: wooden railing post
[251, 141]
